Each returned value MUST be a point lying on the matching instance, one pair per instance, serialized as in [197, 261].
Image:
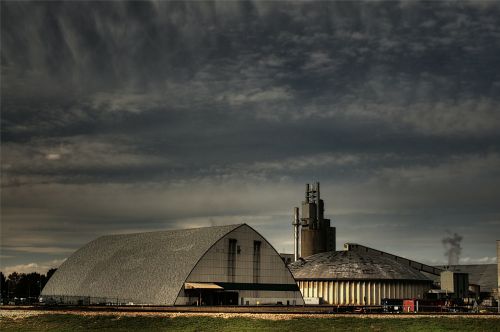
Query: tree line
[23, 287]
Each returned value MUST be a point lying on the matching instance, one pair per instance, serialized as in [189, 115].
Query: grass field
[74, 322]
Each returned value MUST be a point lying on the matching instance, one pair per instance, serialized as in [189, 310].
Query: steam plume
[453, 248]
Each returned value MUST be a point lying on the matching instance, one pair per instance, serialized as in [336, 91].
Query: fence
[84, 300]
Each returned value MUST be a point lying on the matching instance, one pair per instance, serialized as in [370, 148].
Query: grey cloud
[77, 157]
[232, 106]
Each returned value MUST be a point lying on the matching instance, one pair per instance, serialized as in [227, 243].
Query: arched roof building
[213, 265]
[357, 278]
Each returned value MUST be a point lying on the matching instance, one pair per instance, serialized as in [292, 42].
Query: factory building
[498, 273]
[456, 283]
[316, 234]
[351, 277]
[356, 276]
[221, 265]
[484, 276]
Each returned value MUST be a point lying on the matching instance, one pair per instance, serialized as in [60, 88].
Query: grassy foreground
[69, 322]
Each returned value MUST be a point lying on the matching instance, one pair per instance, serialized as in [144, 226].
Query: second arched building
[355, 278]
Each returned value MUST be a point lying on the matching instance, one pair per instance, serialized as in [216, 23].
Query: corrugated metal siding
[148, 268]
[366, 292]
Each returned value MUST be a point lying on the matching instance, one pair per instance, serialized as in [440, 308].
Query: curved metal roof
[147, 268]
[349, 265]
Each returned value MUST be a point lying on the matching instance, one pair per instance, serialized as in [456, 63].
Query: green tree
[3, 287]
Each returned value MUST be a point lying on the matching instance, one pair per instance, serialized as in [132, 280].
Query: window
[231, 260]
[256, 261]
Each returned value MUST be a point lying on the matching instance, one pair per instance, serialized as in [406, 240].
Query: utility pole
[296, 233]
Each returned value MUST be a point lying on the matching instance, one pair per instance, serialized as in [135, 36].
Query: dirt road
[23, 313]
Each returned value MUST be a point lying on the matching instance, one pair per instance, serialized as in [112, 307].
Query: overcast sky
[138, 116]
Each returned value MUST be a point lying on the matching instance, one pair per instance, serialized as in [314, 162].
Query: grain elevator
[316, 234]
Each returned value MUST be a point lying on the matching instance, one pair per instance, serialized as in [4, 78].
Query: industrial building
[356, 276]
[360, 275]
[235, 265]
[482, 275]
[220, 265]
[351, 277]
[316, 234]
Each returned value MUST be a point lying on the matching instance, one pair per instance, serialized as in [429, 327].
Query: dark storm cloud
[232, 106]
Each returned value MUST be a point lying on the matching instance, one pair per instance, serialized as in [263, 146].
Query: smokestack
[318, 212]
[453, 248]
[296, 225]
[498, 277]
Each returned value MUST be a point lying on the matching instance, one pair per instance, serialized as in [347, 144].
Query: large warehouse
[351, 277]
[214, 265]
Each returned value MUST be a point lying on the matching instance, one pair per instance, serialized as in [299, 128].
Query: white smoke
[452, 248]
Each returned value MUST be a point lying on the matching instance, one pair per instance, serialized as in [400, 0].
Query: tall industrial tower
[316, 234]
